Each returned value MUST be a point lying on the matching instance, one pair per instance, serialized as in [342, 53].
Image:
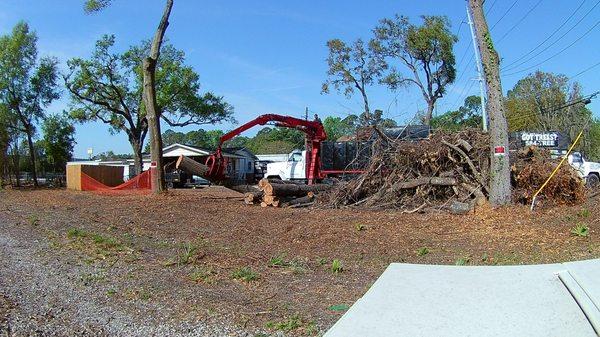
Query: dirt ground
[201, 263]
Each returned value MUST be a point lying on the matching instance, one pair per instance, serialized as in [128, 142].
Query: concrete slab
[429, 300]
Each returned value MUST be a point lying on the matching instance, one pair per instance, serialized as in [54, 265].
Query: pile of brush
[450, 171]
[445, 170]
[531, 169]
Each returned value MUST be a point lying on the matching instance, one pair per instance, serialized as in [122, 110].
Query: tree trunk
[32, 157]
[500, 189]
[152, 110]
[138, 161]
[367, 109]
[429, 114]
[16, 161]
[191, 166]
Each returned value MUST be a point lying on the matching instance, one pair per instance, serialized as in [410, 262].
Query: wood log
[269, 199]
[293, 190]
[301, 200]
[191, 166]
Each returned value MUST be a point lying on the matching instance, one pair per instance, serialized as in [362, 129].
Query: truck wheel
[593, 181]
[170, 185]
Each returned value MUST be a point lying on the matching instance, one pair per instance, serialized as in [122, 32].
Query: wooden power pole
[499, 176]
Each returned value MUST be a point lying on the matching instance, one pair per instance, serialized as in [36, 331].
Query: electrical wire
[503, 15]
[519, 22]
[512, 65]
[556, 54]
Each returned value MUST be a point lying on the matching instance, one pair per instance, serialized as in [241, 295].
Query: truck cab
[292, 169]
[589, 171]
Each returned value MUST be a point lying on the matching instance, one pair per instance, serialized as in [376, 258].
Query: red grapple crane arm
[315, 134]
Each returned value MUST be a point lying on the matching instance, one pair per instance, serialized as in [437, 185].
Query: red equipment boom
[315, 134]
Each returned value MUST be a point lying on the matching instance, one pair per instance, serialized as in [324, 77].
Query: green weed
[322, 261]
[278, 261]
[33, 220]
[292, 323]
[76, 233]
[203, 274]
[462, 261]
[337, 266]
[580, 230]
[360, 227]
[339, 307]
[245, 274]
[585, 213]
[422, 251]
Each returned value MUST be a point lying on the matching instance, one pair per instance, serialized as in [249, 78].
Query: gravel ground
[127, 264]
[41, 295]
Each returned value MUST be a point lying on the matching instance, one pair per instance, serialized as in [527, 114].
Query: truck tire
[593, 181]
[170, 185]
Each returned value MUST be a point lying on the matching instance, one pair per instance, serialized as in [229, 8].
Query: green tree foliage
[538, 102]
[27, 85]
[353, 67]
[336, 127]
[425, 51]
[58, 141]
[467, 116]
[109, 87]
[276, 140]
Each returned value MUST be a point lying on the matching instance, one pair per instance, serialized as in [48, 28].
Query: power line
[503, 15]
[490, 9]
[513, 65]
[556, 54]
[520, 20]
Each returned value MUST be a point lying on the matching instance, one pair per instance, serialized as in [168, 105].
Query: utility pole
[484, 117]
[499, 175]
[306, 114]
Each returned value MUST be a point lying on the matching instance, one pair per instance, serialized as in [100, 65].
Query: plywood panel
[74, 177]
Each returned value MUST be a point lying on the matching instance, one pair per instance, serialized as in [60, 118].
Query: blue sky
[269, 56]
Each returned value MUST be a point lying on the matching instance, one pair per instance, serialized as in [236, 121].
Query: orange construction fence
[140, 182]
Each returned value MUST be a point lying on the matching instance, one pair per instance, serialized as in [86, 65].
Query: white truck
[590, 171]
[292, 169]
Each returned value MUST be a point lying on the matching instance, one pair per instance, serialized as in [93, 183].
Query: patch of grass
[33, 220]
[186, 254]
[422, 251]
[144, 295]
[502, 259]
[287, 325]
[245, 274]
[111, 292]
[484, 257]
[463, 261]
[584, 213]
[107, 242]
[76, 233]
[322, 261]
[89, 278]
[360, 227]
[580, 230]
[337, 266]
[311, 328]
[278, 261]
[203, 274]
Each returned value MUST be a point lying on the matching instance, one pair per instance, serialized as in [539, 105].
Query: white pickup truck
[590, 171]
[292, 169]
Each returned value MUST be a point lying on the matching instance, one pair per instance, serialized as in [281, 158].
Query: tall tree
[58, 141]
[467, 116]
[27, 86]
[149, 66]
[353, 67]
[425, 50]
[336, 127]
[500, 188]
[108, 87]
[545, 102]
